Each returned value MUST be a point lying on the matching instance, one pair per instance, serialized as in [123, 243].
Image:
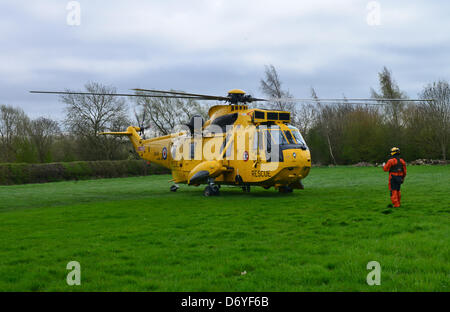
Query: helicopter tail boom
[132, 133]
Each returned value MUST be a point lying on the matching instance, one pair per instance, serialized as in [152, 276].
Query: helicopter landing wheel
[285, 189]
[246, 188]
[174, 188]
[211, 190]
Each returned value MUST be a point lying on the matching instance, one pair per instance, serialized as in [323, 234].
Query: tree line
[345, 133]
[338, 133]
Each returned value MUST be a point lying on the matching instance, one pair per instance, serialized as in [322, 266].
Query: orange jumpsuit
[397, 173]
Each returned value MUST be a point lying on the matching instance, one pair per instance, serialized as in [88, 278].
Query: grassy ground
[132, 234]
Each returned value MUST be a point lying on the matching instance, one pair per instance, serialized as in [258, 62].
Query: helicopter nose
[293, 156]
[297, 158]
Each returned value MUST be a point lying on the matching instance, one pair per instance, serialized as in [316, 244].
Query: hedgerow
[23, 173]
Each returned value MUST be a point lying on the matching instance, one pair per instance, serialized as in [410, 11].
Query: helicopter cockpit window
[297, 135]
[289, 137]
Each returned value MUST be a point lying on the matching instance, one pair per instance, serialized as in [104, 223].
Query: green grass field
[132, 234]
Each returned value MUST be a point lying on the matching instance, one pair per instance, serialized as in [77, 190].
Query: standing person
[397, 173]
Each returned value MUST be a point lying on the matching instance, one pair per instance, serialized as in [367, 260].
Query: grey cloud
[213, 46]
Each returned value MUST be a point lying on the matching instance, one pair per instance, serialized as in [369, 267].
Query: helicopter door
[275, 139]
[254, 151]
[268, 150]
[262, 144]
[176, 152]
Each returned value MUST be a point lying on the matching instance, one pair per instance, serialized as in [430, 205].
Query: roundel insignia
[294, 154]
[164, 153]
[245, 156]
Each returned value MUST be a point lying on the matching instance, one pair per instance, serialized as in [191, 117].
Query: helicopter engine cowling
[205, 170]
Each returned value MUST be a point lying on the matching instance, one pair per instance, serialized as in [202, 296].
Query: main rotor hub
[237, 96]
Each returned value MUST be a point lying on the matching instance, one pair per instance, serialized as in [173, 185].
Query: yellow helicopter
[237, 145]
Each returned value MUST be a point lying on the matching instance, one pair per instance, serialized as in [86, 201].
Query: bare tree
[88, 115]
[302, 114]
[42, 132]
[389, 89]
[325, 122]
[92, 114]
[163, 115]
[437, 113]
[13, 123]
[271, 87]
[304, 117]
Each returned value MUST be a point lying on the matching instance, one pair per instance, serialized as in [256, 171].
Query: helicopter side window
[229, 151]
[255, 140]
[232, 136]
[226, 139]
[275, 139]
[258, 140]
[278, 137]
[192, 150]
[261, 139]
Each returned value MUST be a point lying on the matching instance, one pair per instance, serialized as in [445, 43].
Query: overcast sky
[213, 46]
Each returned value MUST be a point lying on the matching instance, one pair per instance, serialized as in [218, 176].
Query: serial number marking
[247, 301]
[260, 174]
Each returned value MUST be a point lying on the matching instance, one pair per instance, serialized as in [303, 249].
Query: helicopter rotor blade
[344, 100]
[354, 103]
[125, 94]
[212, 97]
[341, 103]
[252, 99]
[182, 93]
